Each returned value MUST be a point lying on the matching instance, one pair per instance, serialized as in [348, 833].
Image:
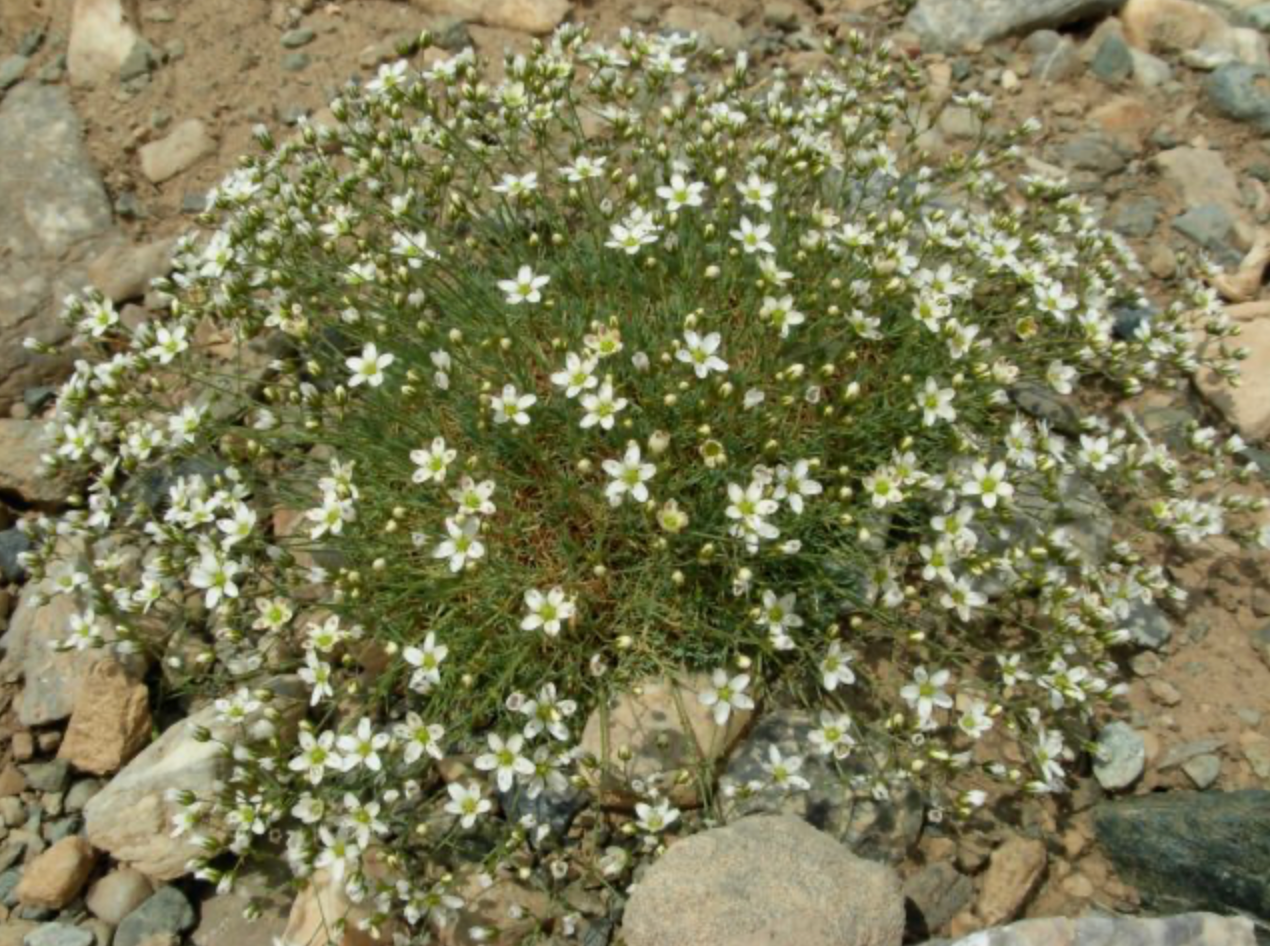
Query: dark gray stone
[48, 776]
[554, 809]
[1136, 217]
[11, 71]
[1120, 757]
[165, 911]
[1192, 850]
[1128, 319]
[1093, 151]
[938, 892]
[1114, 61]
[9, 881]
[59, 934]
[944, 25]
[31, 41]
[1148, 626]
[1209, 225]
[12, 544]
[1241, 92]
[1044, 403]
[141, 59]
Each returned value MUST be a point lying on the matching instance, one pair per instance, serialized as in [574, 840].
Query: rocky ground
[115, 119]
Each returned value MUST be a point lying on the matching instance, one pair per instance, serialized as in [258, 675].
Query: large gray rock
[166, 911]
[764, 880]
[1121, 757]
[55, 211]
[1240, 92]
[955, 24]
[1191, 850]
[1187, 929]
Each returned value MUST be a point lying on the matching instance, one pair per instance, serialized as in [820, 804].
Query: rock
[21, 444]
[946, 25]
[58, 934]
[117, 894]
[221, 919]
[1114, 61]
[554, 809]
[1093, 152]
[782, 16]
[1149, 72]
[715, 30]
[1121, 757]
[1256, 749]
[1192, 850]
[666, 729]
[165, 911]
[11, 70]
[47, 776]
[321, 910]
[1200, 176]
[1241, 92]
[1208, 225]
[960, 122]
[296, 62]
[1148, 626]
[1125, 120]
[1136, 217]
[101, 40]
[1247, 407]
[124, 272]
[183, 147]
[81, 792]
[762, 880]
[13, 931]
[131, 817]
[141, 59]
[513, 911]
[537, 17]
[13, 542]
[294, 39]
[1056, 63]
[1203, 770]
[1014, 872]
[1171, 26]
[876, 829]
[110, 723]
[54, 878]
[54, 210]
[1179, 754]
[1187, 929]
[939, 892]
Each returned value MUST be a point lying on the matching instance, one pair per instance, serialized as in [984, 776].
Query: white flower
[517, 186]
[936, 403]
[390, 76]
[962, 597]
[632, 235]
[547, 611]
[361, 747]
[368, 367]
[512, 406]
[975, 721]
[654, 819]
[215, 574]
[462, 547]
[750, 505]
[473, 497]
[583, 169]
[547, 712]
[413, 248]
[752, 237]
[726, 694]
[680, 193]
[602, 407]
[779, 618]
[505, 760]
[317, 755]
[316, 672]
[169, 342]
[1097, 453]
[793, 484]
[578, 375]
[835, 668]
[1060, 377]
[989, 484]
[757, 193]
[524, 287]
[833, 735]
[784, 771]
[85, 631]
[433, 462]
[700, 353]
[419, 738]
[926, 692]
[427, 663]
[781, 314]
[467, 802]
[628, 476]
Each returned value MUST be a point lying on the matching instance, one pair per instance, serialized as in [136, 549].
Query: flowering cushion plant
[488, 401]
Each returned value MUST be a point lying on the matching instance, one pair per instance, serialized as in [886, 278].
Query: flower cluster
[491, 400]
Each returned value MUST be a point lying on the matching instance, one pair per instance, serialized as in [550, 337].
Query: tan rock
[522, 16]
[54, 878]
[1201, 176]
[13, 931]
[101, 39]
[511, 912]
[1013, 874]
[764, 880]
[124, 271]
[187, 144]
[21, 443]
[714, 29]
[322, 914]
[661, 730]
[117, 894]
[1170, 25]
[110, 723]
[1126, 119]
[1247, 407]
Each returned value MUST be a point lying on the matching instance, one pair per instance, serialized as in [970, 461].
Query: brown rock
[101, 40]
[23, 746]
[764, 880]
[21, 443]
[54, 878]
[110, 723]
[1127, 120]
[522, 16]
[322, 913]
[12, 782]
[117, 894]
[511, 912]
[124, 271]
[1201, 176]
[1170, 25]
[183, 147]
[13, 931]
[665, 730]
[1012, 876]
[715, 30]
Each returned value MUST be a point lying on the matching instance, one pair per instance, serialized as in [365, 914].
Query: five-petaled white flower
[462, 547]
[926, 692]
[317, 754]
[936, 403]
[602, 407]
[525, 287]
[654, 819]
[517, 186]
[753, 237]
[783, 771]
[505, 760]
[781, 314]
[726, 694]
[512, 407]
[835, 668]
[578, 375]
[427, 663]
[368, 367]
[361, 747]
[700, 353]
[628, 476]
[681, 193]
[467, 802]
[988, 483]
[778, 616]
[757, 193]
[547, 611]
[432, 462]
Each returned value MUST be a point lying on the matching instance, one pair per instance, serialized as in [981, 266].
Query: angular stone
[124, 272]
[101, 39]
[716, 31]
[1241, 92]
[322, 913]
[1114, 61]
[948, 25]
[1171, 25]
[165, 911]
[1148, 626]
[1014, 872]
[110, 723]
[1200, 176]
[1203, 770]
[184, 146]
[513, 911]
[939, 892]
[1192, 850]
[1247, 407]
[21, 443]
[1187, 929]
[1121, 757]
[536, 17]
[666, 730]
[763, 880]
[1093, 152]
[1208, 225]
[117, 894]
[58, 934]
[221, 920]
[54, 878]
